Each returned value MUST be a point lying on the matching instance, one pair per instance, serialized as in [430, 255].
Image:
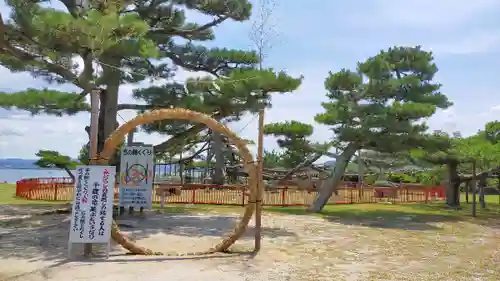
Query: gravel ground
[294, 248]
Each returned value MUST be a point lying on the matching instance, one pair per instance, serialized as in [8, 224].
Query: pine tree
[129, 42]
[378, 106]
[292, 137]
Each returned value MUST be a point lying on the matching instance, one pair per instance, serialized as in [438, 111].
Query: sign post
[136, 177]
[93, 138]
[92, 212]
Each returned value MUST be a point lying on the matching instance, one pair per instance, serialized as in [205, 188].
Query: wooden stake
[94, 131]
[260, 183]
[474, 188]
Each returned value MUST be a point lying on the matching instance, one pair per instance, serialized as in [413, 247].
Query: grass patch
[432, 212]
[8, 196]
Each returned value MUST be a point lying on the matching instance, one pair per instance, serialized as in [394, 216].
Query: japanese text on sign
[92, 216]
[139, 151]
[136, 177]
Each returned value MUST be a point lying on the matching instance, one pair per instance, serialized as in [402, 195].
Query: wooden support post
[130, 137]
[94, 131]
[260, 183]
[474, 188]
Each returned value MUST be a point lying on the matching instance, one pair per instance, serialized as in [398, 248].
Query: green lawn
[418, 212]
[8, 192]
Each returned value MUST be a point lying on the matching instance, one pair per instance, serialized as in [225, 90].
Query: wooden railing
[62, 189]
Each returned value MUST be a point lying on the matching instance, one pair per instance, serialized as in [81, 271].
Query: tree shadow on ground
[401, 216]
[28, 209]
[488, 217]
[392, 220]
[384, 217]
[45, 238]
[190, 225]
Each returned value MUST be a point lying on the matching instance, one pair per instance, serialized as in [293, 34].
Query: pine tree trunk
[108, 108]
[482, 184]
[330, 185]
[218, 177]
[452, 185]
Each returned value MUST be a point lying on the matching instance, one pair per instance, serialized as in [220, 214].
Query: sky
[311, 41]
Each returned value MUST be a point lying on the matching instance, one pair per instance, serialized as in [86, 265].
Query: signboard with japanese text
[136, 177]
[92, 212]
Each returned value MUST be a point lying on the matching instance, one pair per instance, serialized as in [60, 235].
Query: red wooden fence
[62, 189]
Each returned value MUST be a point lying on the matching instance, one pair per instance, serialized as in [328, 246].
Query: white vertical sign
[92, 212]
[136, 177]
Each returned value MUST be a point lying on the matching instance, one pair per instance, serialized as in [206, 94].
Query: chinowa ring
[136, 175]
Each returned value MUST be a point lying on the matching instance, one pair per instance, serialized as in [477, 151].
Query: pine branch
[37, 60]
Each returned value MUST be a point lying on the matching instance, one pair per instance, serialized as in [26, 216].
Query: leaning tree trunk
[329, 185]
[452, 185]
[70, 174]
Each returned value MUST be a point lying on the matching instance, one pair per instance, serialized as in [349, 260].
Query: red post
[193, 196]
[426, 196]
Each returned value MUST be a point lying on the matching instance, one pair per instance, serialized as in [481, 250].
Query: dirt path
[294, 248]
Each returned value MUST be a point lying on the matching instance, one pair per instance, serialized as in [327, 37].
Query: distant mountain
[16, 163]
[329, 163]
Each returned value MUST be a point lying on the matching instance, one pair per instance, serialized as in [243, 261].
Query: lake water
[13, 175]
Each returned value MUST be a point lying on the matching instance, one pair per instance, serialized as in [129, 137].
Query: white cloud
[443, 26]
[42, 132]
[475, 43]
[426, 13]
[467, 122]
[495, 108]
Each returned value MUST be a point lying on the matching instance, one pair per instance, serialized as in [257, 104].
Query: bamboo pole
[260, 183]
[94, 130]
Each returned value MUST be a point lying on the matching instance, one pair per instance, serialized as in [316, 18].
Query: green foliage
[430, 177]
[83, 154]
[53, 159]
[401, 178]
[477, 148]
[492, 131]
[230, 97]
[443, 152]
[292, 137]
[480, 148]
[124, 35]
[44, 101]
[273, 159]
[382, 162]
[378, 106]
